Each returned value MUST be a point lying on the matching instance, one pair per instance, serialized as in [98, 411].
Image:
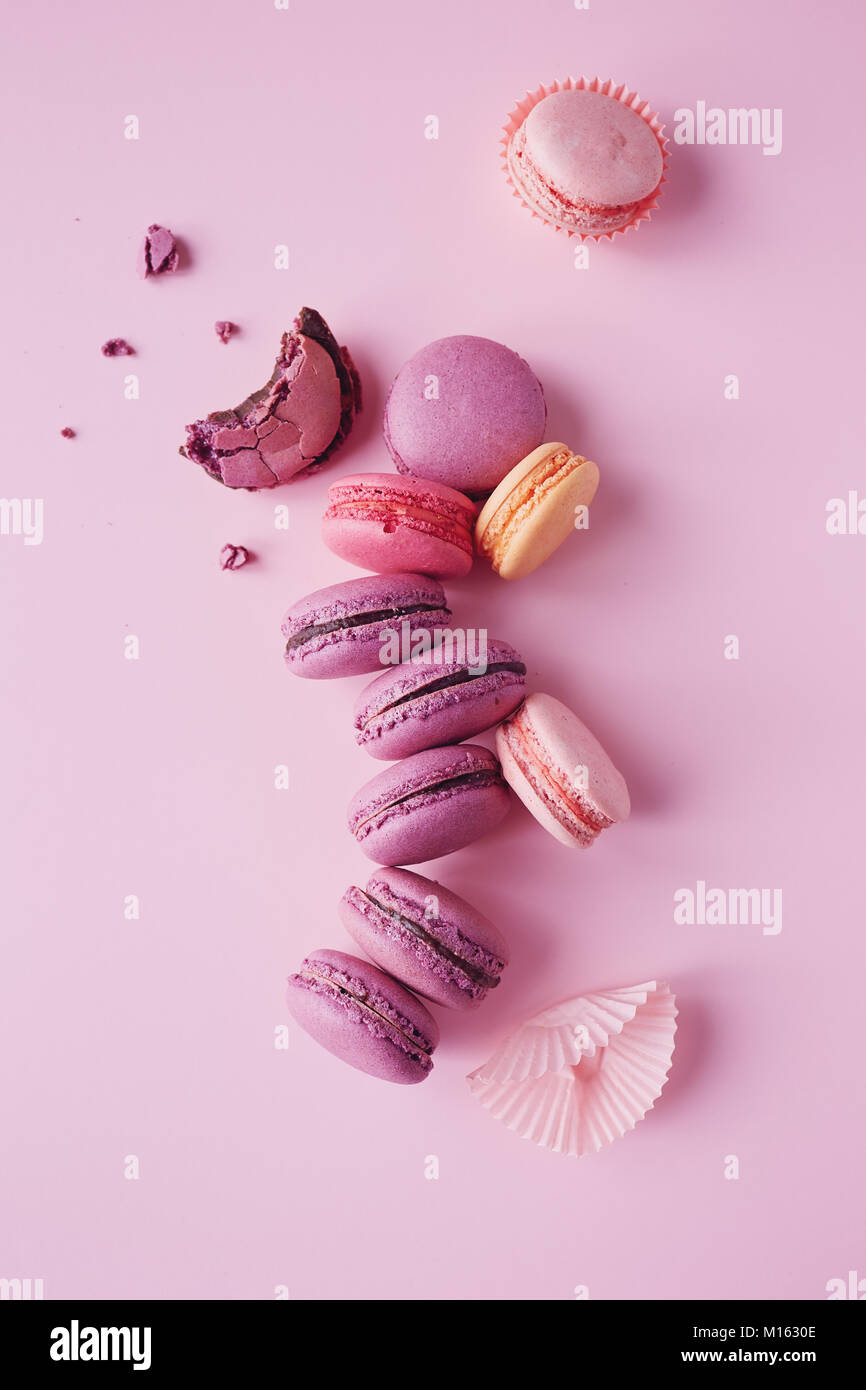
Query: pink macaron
[440, 697]
[560, 771]
[464, 410]
[585, 160]
[387, 523]
[430, 804]
[344, 629]
[426, 936]
[363, 1017]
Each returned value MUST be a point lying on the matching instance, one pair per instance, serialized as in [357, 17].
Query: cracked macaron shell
[426, 936]
[293, 424]
[350, 647]
[402, 712]
[486, 413]
[361, 1015]
[547, 753]
[385, 522]
[533, 510]
[429, 805]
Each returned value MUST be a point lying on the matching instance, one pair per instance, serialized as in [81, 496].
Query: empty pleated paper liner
[584, 1072]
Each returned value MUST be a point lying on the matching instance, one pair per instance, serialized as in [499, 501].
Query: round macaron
[363, 1017]
[426, 936]
[440, 697]
[429, 804]
[539, 504]
[462, 411]
[387, 523]
[340, 630]
[561, 772]
[585, 161]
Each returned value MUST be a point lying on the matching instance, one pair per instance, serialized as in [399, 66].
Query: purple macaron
[463, 411]
[340, 630]
[363, 1017]
[426, 936]
[441, 696]
[429, 804]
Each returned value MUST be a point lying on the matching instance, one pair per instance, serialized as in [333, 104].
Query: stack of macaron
[442, 793]
[464, 423]
[436, 796]
[421, 935]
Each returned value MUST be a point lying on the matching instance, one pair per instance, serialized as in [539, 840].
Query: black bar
[235, 1339]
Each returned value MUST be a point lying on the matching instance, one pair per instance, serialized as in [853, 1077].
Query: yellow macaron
[534, 508]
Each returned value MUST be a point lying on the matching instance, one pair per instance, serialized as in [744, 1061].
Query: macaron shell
[434, 819]
[442, 914]
[594, 148]
[349, 1031]
[397, 730]
[567, 744]
[384, 551]
[543, 521]
[487, 412]
[349, 651]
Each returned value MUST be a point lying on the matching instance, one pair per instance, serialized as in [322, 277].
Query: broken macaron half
[290, 426]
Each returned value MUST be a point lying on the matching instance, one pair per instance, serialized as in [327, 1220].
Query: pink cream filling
[576, 212]
[567, 804]
[391, 513]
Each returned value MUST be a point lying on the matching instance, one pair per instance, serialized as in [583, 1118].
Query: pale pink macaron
[392, 523]
[560, 771]
[535, 508]
[585, 160]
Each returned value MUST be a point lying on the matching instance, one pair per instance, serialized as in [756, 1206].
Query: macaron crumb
[158, 253]
[225, 329]
[67, 432]
[232, 557]
[117, 347]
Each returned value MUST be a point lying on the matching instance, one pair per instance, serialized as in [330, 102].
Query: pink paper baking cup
[619, 92]
[583, 1073]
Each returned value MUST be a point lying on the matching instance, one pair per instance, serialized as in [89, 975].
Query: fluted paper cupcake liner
[608, 88]
[584, 1072]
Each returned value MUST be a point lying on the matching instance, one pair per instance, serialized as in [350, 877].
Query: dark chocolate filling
[485, 777]
[475, 972]
[445, 682]
[381, 615]
[413, 1037]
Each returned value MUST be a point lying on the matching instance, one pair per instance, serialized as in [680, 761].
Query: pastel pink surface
[385, 523]
[155, 777]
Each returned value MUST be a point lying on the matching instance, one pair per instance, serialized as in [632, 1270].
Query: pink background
[156, 1038]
